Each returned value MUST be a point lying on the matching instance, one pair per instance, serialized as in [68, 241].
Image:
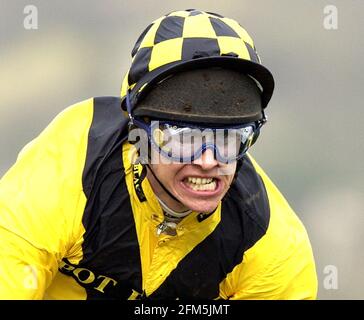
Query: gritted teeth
[200, 180]
[201, 184]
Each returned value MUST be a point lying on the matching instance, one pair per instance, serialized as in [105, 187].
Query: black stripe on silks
[244, 220]
[139, 41]
[109, 123]
[199, 47]
[169, 28]
[222, 29]
[110, 247]
[140, 64]
[248, 194]
[252, 53]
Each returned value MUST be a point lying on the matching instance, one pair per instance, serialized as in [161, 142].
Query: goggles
[186, 142]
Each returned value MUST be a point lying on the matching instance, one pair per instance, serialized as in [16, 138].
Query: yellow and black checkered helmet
[190, 39]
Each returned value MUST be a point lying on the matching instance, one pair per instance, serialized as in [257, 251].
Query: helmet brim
[257, 71]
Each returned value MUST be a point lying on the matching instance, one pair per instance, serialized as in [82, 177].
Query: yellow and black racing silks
[78, 221]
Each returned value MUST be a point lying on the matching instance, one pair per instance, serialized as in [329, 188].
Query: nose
[207, 160]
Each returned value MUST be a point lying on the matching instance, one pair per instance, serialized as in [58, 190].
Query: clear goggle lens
[186, 143]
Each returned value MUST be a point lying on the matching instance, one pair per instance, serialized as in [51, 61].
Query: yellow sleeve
[41, 205]
[280, 265]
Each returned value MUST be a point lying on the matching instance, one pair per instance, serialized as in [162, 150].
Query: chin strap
[161, 184]
[172, 218]
[172, 215]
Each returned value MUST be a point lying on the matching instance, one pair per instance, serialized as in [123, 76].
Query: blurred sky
[312, 146]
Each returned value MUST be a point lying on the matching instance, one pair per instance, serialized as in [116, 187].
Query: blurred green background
[312, 146]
